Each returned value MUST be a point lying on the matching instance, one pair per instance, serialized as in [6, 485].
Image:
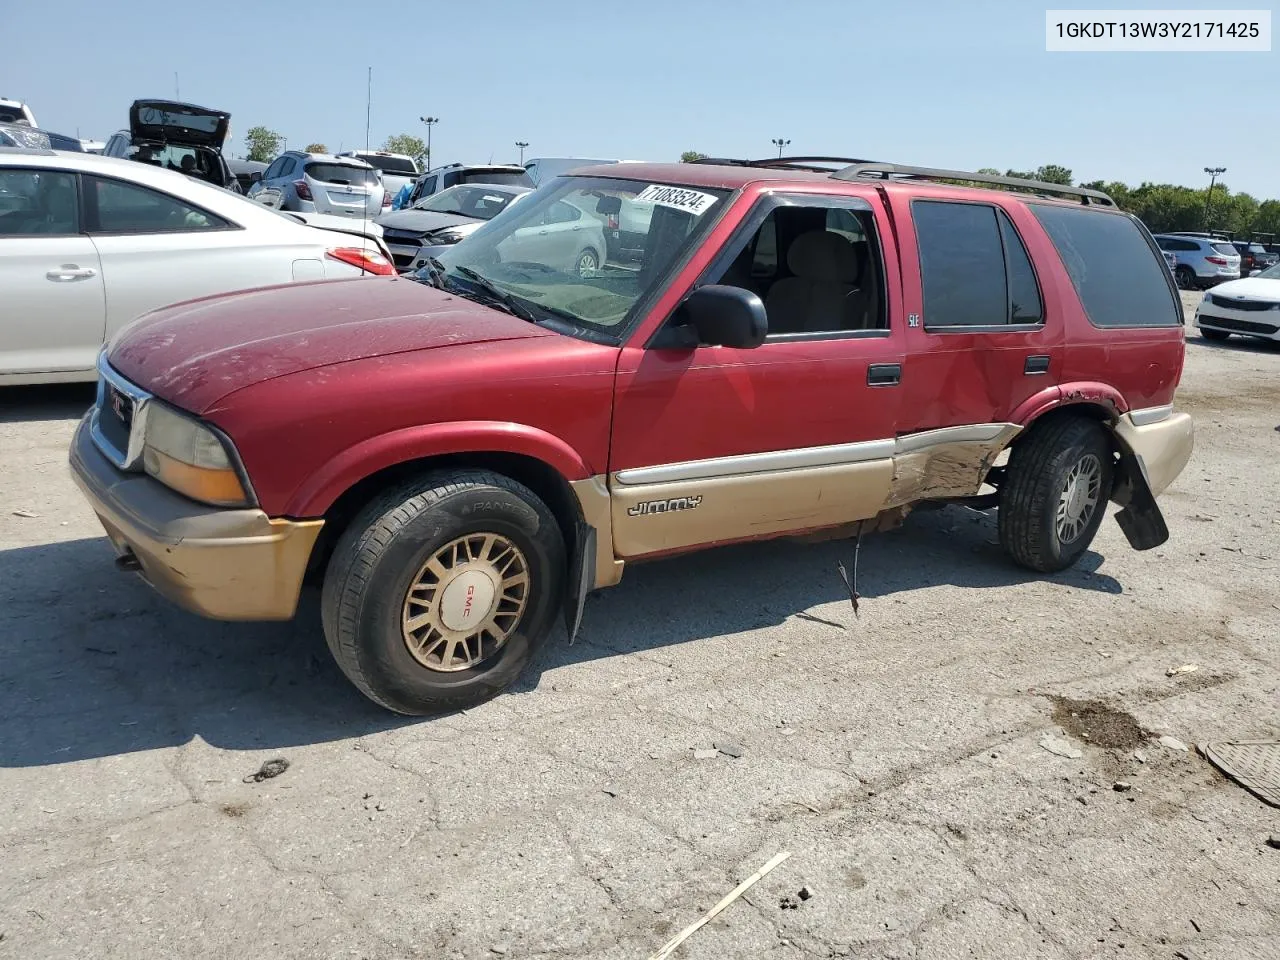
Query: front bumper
[220, 563]
[1251, 323]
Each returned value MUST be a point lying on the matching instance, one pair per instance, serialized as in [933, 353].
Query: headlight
[190, 458]
[444, 236]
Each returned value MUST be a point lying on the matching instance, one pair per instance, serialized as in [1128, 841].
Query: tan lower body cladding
[672, 507]
[653, 510]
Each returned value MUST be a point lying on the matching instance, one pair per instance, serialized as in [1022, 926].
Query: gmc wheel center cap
[467, 600]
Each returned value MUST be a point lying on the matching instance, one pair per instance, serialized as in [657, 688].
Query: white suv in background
[1203, 260]
[15, 111]
[398, 170]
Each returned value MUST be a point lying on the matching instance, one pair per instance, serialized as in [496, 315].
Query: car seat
[823, 292]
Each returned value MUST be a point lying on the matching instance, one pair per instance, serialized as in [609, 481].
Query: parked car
[420, 232]
[181, 137]
[450, 175]
[1249, 307]
[462, 456]
[398, 171]
[321, 183]
[1171, 262]
[1253, 256]
[246, 172]
[21, 135]
[138, 238]
[15, 111]
[1202, 260]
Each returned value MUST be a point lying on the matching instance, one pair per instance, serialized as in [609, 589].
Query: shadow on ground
[53, 402]
[93, 663]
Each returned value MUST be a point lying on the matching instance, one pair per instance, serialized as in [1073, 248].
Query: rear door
[980, 341]
[52, 307]
[156, 249]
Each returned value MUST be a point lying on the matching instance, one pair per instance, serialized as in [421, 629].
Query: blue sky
[939, 83]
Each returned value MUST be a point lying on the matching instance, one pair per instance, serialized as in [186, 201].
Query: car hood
[1251, 288]
[195, 353]
[423, 221]
[173, 122]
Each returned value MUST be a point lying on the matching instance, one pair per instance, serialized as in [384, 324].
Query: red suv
[460, 454]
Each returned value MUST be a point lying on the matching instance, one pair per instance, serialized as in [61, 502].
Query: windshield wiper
[499, 297]
[434, 270]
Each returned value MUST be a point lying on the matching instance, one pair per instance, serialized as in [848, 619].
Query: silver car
[443, 219]
[321, 183]
[1203, 260]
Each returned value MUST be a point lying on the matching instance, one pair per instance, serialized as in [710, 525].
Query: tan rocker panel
[671, 506]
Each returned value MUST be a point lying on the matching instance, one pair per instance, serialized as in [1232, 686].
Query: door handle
[884, 374]
[70, 272]
[1035, 364]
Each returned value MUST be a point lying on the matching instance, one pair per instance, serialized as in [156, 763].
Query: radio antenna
[368, 123]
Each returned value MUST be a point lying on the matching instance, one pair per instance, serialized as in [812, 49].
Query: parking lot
[715, 711]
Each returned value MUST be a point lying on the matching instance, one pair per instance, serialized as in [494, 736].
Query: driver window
[817, 269]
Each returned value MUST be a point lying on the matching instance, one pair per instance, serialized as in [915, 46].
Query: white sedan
[1249, 307]
[88, 243]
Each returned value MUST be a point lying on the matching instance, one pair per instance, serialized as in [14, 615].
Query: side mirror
[723, 316]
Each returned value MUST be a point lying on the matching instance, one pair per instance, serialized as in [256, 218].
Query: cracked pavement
[896, 755]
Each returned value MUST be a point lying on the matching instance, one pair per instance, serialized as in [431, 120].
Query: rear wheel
[1186, 278]
[440, 590]
[588, 262]
[1214, 334]
[1054, 493]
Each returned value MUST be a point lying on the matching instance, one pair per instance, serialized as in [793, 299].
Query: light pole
[780, 143]
[430, 122]
[522, 144]
[1214, 173]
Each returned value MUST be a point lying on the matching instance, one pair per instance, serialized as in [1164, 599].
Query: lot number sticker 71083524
[677, 198]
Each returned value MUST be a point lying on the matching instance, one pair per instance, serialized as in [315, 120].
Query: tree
[317, 148]
[1049, 173]
[263, 144]
[407, 144]
[689, 156]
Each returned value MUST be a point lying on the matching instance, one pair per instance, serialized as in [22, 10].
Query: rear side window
[520, 179]
[128, 208]
[1120, 280]
[974, 268]
[339, 173]
[394, 165]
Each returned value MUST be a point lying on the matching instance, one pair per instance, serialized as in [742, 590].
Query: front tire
[1054, 494]
[440, 590]
[1218, 335]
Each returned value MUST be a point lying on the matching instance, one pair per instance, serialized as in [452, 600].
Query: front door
[714, 444]
[53, 309]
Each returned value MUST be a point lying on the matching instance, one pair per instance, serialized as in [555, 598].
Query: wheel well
[543, 479]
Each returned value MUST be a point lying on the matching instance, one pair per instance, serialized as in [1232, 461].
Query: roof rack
[863, 170]
[794, 163]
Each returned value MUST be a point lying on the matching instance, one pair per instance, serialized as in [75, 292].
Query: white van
[543, 169]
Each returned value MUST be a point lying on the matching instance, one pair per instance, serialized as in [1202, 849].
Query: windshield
[1271, 273]
[341, 173]
[391, 164]
[557, 253]
[478, 202]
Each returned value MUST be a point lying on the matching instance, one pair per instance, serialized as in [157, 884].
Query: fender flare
[1063, 395]
[366, 458]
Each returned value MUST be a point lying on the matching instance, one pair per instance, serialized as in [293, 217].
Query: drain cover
[1254, 764]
